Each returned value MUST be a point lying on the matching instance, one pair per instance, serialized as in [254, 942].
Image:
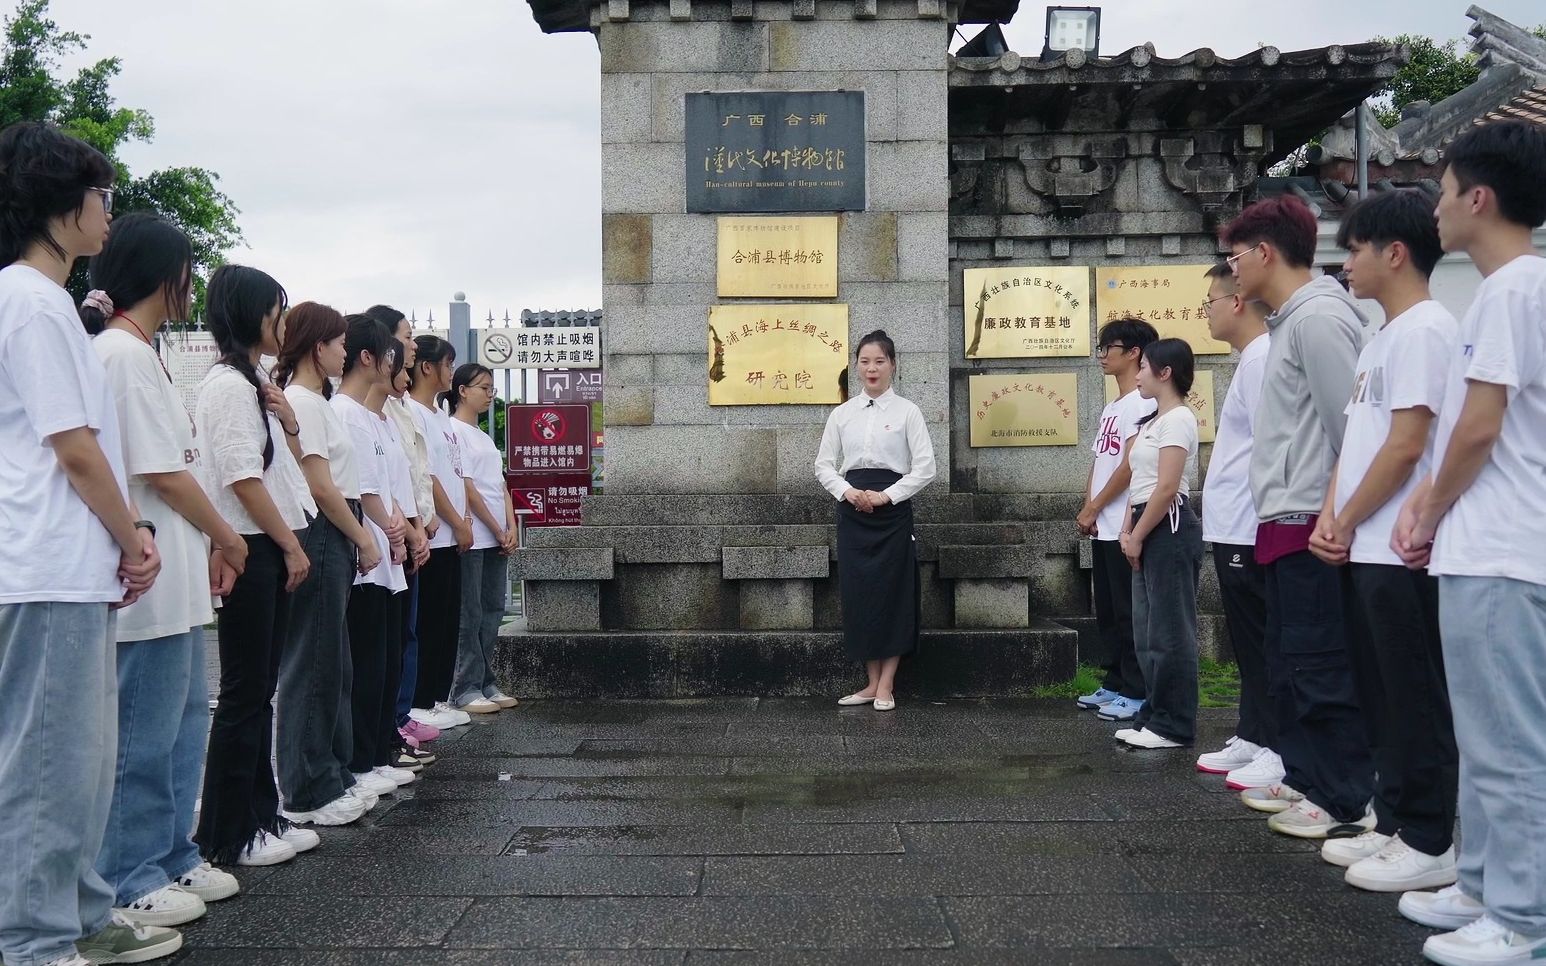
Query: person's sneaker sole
[1433, 879]
[181, 917]
[144, 954]
[1423, 914]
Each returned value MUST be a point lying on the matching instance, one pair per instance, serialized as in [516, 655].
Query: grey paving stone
[777, 922]
[500, 875]
[583, 765]
[917, 875]
[409, 840]
[499, 745]
[443, 785]
[476, 814]
[297, 921]
[731, 745]
[1053, 806]
[427, 957]
[849, 839]
[1202, 871]
[944, 957]
[1244, 836]
[1167, 921]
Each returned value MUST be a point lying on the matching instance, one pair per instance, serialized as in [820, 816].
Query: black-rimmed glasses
[107, 198]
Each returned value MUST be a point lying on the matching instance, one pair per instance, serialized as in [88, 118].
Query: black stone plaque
[774, 151]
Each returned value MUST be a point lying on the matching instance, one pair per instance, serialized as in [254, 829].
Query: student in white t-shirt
[1229, 522]
[1121, 692]
[1393, 612]
[315, 719]
[494, 537]
[1162, 541]
[440, 579]
[74, 551]
[1483, 512]
[142, 279]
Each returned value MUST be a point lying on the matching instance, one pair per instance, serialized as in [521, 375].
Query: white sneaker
[479, 706]
[1485, 941]
[1122, 734]
[1236, 753]
[1263, 770]
[445, 708]
[208, 883]
[340, 811]
[1346, 852]
[1449, 908]
[502, 699]
[361, 793]
[397, 776]
[1276, 797]
[1400, 868]
[169, 906]
[266, 849]
[1145, 738]
[439, 720]
[301, 839]
[374, 783]
[1307, 820]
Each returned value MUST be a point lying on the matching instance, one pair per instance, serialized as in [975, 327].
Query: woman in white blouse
[875, 455]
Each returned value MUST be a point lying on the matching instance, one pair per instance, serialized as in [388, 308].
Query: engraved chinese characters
[778, 257]
[1170, 298]
[1024, 409]
[778, 354]
[1026, 311]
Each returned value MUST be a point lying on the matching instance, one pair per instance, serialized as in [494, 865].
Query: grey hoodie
[1314, 341]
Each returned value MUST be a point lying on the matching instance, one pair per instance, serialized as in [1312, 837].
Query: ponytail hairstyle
[461, 379]
[237, 301]
[307, 326]
[387, 316]
[44, 174]
[365, 334]
[1175, 355]
[432, 350]
[880, 338]
[145, 255]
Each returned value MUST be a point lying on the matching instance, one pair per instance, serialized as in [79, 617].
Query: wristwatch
[145, 525]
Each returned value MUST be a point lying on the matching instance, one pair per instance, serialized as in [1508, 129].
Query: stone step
[787, 509]
[683, 664]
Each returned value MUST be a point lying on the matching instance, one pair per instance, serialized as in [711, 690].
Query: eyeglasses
[107, 198]
[1101, 351]
[1234, 260]
[485, 387]
[1218, 298]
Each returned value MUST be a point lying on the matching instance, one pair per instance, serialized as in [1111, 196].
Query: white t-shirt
[445, 464]
[231, 431]
[1176, 428]
[322, 434]
[51, 381]
[1118, 423]
[1228, 511]
[480, 463]
[370, 454]
[157, 438]
[1498, 526]
[410, 431]
[1405, 365]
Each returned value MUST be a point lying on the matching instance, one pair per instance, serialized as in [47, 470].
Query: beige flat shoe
[885, 704]
[855, 699]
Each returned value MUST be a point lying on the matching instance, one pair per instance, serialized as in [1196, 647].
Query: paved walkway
[744, 831]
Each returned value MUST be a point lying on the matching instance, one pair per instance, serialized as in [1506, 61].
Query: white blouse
[232, 429]
[885, 433]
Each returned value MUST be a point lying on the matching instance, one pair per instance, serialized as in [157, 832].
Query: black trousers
[440, 607]
[1398, 666]
[1165, 624]
[1320, 730]
[375, 645]
[240, 796]
[1243, 585]
[1114, 620]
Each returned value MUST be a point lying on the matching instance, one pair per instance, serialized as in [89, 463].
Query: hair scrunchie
[98, 299]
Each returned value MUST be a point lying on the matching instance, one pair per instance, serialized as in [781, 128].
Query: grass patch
[1218, 684]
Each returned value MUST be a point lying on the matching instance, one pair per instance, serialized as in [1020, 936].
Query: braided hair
[238, 300]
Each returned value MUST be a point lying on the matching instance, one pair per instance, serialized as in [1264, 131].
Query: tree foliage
[33, 88]
[1435, 72]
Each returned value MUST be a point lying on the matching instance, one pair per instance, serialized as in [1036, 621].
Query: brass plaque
[1170, 298]
[1025, 312]
[782, 258]
[1025, 409]
[778, 354]
[1200, 399]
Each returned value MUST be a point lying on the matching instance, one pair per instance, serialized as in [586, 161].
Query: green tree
[32, 88]
[1435, 72]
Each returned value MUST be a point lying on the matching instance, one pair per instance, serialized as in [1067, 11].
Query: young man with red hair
[1315, 334]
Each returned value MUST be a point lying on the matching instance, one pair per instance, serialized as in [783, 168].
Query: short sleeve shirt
[1118, 423]
[322, 434]
[1176, 428]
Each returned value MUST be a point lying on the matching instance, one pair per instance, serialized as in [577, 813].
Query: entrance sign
[1026, 312]
[1024, 409]
[778, 257]
[574, 347]
[569, 386]
[547, 437]
[753, 151]
[1168, 297]
[778, 354]
[187, 357]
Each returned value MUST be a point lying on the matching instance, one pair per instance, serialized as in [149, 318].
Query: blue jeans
[58, 700]
[163, 721]
[483, 608]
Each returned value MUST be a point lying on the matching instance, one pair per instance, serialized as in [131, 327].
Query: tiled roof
[1528, 106]
[1143, 63]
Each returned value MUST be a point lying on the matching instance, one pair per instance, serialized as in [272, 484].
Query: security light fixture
[1072, 28]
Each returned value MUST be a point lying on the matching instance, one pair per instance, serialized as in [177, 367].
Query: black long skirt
[877, 567]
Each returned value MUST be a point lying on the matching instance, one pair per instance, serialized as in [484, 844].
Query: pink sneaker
[417, 732]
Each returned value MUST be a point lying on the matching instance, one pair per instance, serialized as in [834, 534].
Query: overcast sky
[400, 150]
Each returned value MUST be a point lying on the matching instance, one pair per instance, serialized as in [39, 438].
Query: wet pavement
[745, 831]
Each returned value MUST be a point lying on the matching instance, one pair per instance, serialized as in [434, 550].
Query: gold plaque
[787, 258]
[1023, 312]
[1168, 297]
[1200, 399]
[1025, 409]
[778, 354]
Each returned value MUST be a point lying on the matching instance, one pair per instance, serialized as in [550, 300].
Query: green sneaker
[122, 942]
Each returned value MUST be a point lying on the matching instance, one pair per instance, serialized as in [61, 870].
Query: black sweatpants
[1398, 666]
[374, 636]
[1114, 620]
[440, 609]
[1243, 585]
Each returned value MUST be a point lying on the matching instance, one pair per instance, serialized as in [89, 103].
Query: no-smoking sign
[543, 438]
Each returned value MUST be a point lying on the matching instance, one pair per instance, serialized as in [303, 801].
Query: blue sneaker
[1122, 709]
[1099, 699]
